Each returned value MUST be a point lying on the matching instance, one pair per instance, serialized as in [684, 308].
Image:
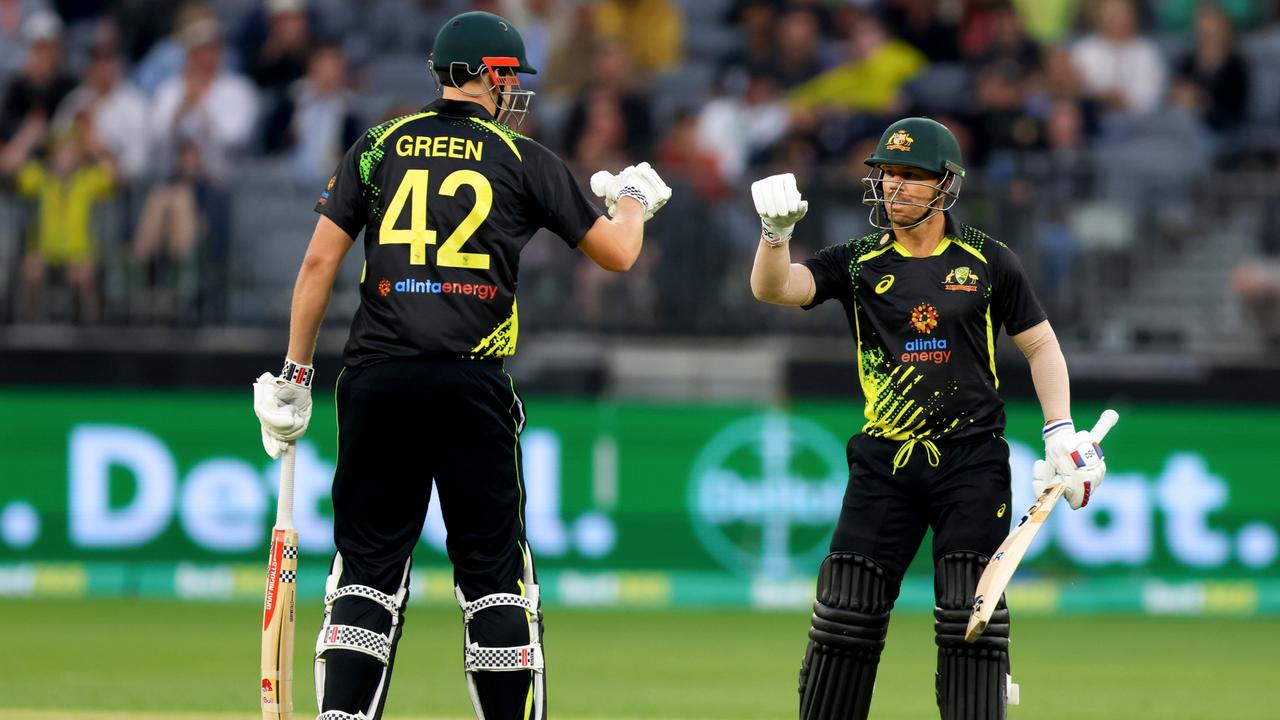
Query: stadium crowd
[128, 129]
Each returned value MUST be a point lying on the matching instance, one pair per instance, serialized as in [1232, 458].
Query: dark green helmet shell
[471, 37]
[919, 142]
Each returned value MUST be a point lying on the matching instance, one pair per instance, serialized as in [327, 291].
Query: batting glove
[780, 207]
[1073, 458]
[639, 182]
[283, 405]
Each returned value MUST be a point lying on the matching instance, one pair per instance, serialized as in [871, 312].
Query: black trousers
[965, 500]
[401, 425]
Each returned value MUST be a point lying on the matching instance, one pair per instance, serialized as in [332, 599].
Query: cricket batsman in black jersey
[447, 198]
[925, 299]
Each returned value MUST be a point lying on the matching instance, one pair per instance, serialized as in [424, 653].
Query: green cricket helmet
[484, 44]
[917, 142]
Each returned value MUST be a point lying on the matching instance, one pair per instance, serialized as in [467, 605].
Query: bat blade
[279, 620]
[999, 571]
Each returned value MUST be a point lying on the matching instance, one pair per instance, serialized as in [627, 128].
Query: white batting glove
[639, 182]
[780, 207]
[1072, 457]
[283, 405]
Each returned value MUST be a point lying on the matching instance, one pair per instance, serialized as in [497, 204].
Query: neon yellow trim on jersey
[494, 129]
[502, 341]
[991, 348]
[942, 246]
[395, 126]
[878, 253]
[969, 248]
[364, 270]
[857, 350]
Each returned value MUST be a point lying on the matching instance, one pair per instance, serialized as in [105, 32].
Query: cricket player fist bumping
[440, 203]
[638, 182]
[1071, 456]
[283, 405]
[925, 298]
[779, 205]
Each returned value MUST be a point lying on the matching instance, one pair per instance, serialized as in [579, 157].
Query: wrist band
[297, 374]
[635, 194]
[772, 236]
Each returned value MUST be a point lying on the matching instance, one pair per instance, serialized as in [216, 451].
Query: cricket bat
[999, 571]
[278, 612]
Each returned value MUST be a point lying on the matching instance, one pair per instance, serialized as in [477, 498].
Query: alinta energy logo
[411, 286]
[924, 318]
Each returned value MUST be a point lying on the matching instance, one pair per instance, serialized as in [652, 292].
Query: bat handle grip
[284, 505]
[1104, 424]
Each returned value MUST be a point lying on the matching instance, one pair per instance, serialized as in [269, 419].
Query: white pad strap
[390, 602]
[350, 637]
[522, 657]
[469, 609]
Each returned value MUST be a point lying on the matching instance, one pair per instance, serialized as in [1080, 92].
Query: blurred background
[159, 162]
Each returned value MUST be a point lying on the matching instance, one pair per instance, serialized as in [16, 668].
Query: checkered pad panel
[339, 715]
[350, 637]
[290, 551]
[288, 576]
[470, 609]
[366, 592]
[523, 657]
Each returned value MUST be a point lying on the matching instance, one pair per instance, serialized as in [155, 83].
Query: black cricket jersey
[447, 198]
[926, 329]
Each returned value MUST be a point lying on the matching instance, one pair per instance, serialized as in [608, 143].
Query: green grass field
[189, 661]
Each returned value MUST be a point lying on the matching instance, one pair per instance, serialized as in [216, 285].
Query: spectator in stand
[611, 120]
[284, 52]
[165, 59]
[1003, 123]
[1005, 41]
[65, 188]
[738, 130]
[171, 222]
[758, 52]
[13, 16]
[870, 80]
[215, 112]
[924, 24]
[33, 96]
[573, 37]
[1059, 80]
[684, 156]
[315, 122]
[116, 110]
[1213, 80]
[1119, 67]
[536, 20]
[212, 107]
[1048, 22]
[651, 30]
[799, 49]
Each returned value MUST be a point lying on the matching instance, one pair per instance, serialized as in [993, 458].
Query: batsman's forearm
[1053, 385]
[771, 271]
[311, 295]
[629, 219]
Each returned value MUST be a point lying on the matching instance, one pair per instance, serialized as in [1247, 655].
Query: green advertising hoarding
[170, 493]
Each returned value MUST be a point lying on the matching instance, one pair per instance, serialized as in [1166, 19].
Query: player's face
[908, 191]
